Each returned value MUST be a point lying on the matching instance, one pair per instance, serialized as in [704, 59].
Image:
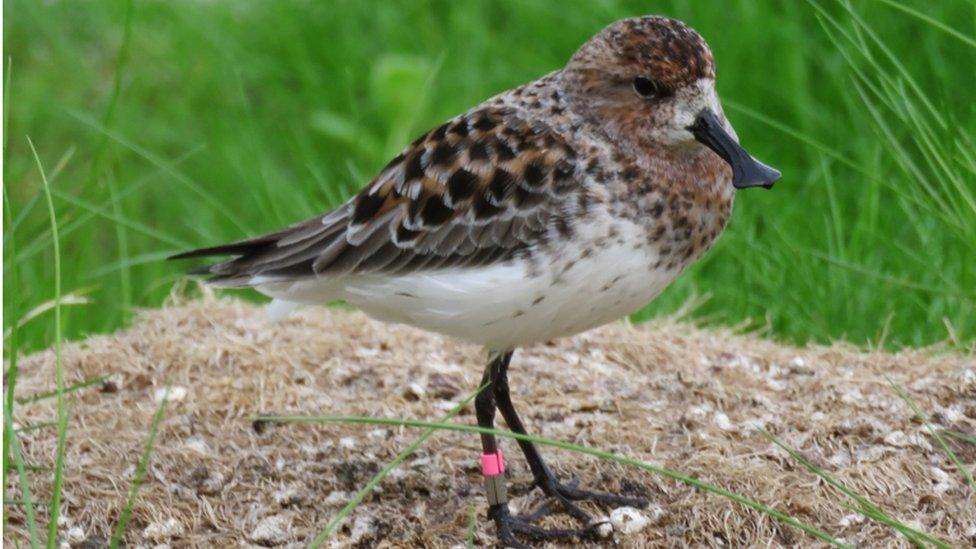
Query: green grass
[140, 474]
[170, 125]
[432, 426]
[368, 488]
[66, 390]
[861, 504]
[963, 470]
[57, 484]
[178, 124]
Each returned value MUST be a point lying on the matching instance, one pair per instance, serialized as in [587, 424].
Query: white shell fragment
[627, 520]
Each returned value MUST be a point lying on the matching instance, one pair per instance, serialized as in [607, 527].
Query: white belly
[506, 305]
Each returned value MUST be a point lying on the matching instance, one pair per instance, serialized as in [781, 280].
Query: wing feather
[476, 190]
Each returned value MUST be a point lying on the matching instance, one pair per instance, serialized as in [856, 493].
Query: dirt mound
[666, 393]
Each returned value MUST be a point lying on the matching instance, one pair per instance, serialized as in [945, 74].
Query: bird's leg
[563, 494]
[493, 468]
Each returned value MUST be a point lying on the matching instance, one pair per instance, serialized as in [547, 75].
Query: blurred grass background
[170, 125]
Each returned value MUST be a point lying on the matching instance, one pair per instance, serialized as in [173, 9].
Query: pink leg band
[492, 465]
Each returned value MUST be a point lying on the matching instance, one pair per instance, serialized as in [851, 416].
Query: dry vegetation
[663, 392]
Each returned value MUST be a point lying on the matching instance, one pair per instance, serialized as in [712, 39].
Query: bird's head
[649, 83]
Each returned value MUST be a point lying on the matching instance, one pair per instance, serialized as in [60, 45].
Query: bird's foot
[562, 497]
[509, 526]
[570, 491]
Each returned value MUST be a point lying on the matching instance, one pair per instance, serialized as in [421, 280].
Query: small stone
[776, 384]
[205, 481]
[840, 459]
[699, 410]
[604, 529]
[940, 475]
[969, 378]
[952, 414]
[897, 439]
[414, 392]
[722, 422]
[850, 519]
[347, 442]
[159, 531]
[944, 481]
[798, 366]
[197, 445]
[362, 526]
[288, 496]
[271, 530]
[175, 394]
[75, 535]
[755, 424]
[919, 440]
[627, 520]
[336, 497]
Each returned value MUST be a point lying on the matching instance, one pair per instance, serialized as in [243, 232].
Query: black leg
[543, 476]
[495, 490]
[484, 404]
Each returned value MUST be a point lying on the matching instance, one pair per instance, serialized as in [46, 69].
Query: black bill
[746, 170]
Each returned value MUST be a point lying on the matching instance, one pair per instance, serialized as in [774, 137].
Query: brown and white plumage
[548, 209]
[545, 211]
[473, 191]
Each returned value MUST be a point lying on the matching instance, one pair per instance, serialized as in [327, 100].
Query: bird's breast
[681, 204]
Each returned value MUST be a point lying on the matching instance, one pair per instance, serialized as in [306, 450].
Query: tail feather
[241, 247]
[288, 252]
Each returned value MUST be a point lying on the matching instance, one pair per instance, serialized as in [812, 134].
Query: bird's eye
[646, 87]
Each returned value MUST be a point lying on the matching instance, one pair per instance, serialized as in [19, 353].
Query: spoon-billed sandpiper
[545, 211]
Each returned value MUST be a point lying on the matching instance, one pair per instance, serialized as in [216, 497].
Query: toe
[613, 500]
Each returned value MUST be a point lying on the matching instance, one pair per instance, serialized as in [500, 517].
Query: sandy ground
[663, 392]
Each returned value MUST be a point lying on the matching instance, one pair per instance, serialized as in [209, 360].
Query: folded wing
[476, 190]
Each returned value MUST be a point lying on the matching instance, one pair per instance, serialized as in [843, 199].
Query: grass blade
[36, 426]
[962, 437]
[966, 475]
[41, 242]
[472, 527]
[168, 168]
[116, 91]
[378, 477]
[799, 136]
[122, 241]
[969, 41]
[674, 475]
[70, 389]
[52, 527]
[6, 106]
[11, 445]
[140, 473]
[864, 506]
[73, 298]
[102, 211]
[12, 348]
[18, 459]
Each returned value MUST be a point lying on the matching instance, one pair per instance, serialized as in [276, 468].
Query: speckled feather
[550, 208]
[475, 190]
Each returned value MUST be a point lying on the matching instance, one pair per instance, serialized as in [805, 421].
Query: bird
[545, 211]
